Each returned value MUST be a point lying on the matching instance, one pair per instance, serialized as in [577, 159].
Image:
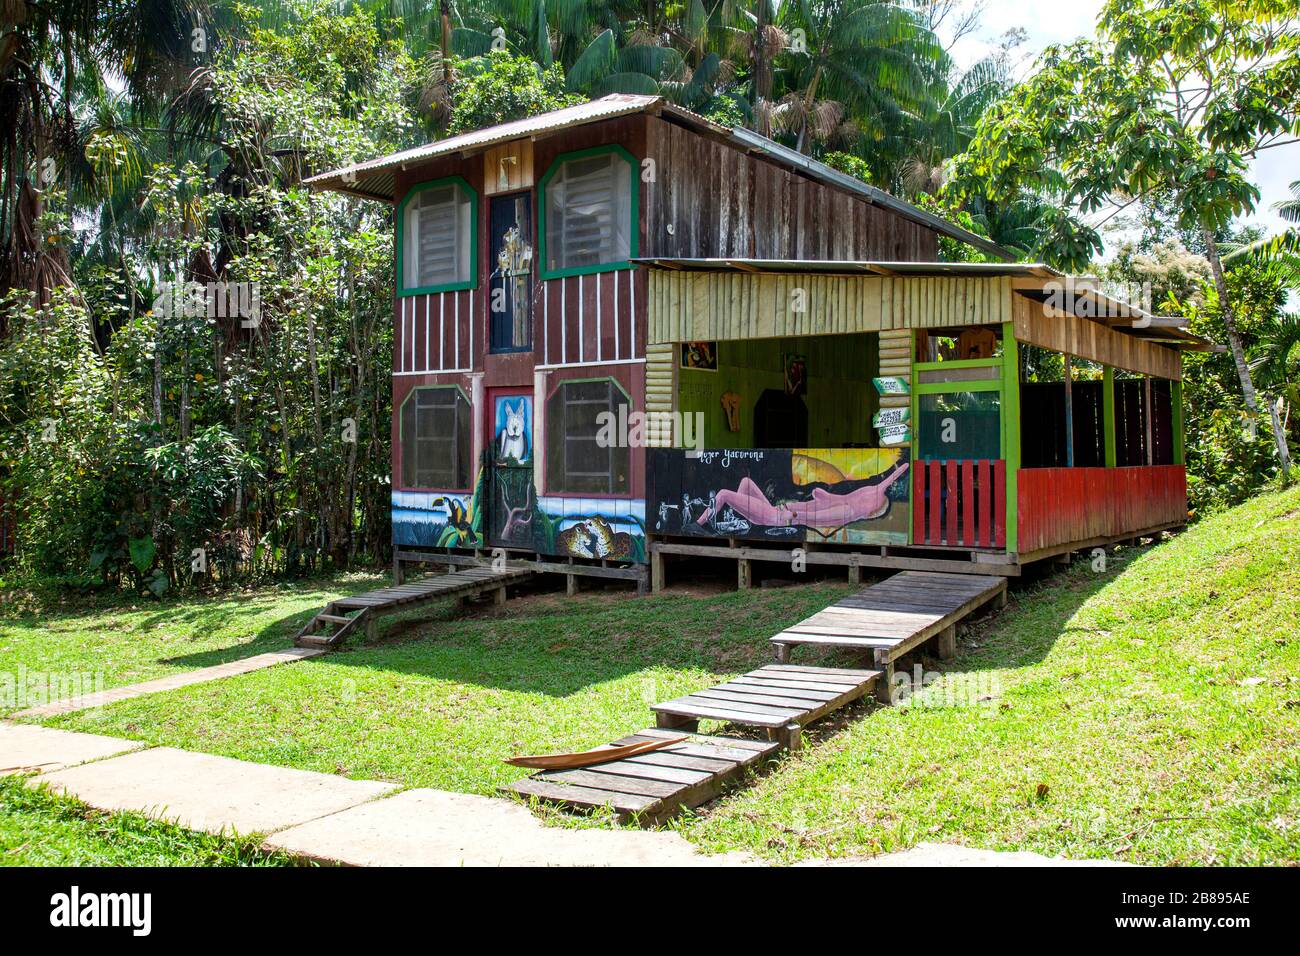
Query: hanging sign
[890, 386]
[891, 416]
[899, 434]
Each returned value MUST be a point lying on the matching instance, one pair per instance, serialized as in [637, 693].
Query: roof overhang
[377, 178]
[1080, 296]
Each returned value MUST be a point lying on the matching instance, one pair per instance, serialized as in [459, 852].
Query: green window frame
[471, 254]
[576, 463]
[543, 211]
[435, 432]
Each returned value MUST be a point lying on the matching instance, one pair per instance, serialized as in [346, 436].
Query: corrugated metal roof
[375, 178]
[359, 177]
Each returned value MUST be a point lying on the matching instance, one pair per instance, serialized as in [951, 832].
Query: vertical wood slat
[1000, 504]
[934, 503]
[918, 506]
[950, 504]
[968, 502]
[986, 503]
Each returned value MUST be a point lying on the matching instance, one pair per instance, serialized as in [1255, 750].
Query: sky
[1060, 21]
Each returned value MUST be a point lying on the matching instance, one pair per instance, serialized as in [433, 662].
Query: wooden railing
[1065, 505]
[960, 503]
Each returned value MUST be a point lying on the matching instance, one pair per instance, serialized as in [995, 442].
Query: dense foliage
[155, 152]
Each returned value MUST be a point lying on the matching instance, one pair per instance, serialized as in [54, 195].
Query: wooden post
[1108, 414]
[676, 722]
[946, 643]
[744, 574]
[656, 569]
[372, 627]
[1069, 411]
[499, 596]
[398, 577]
[1000, 601]
[885, 683]
[855, 574]
[1176, 407]
[1011, 428]
[570, 585]
[1147, 416]
[791, 735]
[782, 653]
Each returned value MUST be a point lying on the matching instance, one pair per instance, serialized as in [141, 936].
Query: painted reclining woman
[822, 510]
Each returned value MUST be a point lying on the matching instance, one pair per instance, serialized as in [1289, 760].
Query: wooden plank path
[889, 619]
[340, 618]
[652, 787]
[780, 699]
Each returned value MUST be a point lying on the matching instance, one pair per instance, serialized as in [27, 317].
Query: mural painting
[843, 495]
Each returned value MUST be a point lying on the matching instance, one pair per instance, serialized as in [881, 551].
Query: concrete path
[27, 749]
[334, 819]
[420, 827]
[322, 816]
[214, 794]
[203, 674]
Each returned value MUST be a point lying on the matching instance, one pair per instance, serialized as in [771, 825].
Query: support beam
[945, 643]
[744, 574]
[1108, 414]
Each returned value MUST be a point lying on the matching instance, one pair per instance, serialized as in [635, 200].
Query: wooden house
[624, 332]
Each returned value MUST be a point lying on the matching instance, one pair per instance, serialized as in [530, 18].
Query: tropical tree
[1171, 98]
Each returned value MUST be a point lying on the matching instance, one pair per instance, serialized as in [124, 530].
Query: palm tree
[863, 65]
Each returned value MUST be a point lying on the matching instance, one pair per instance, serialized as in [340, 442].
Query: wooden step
[779, 698]
[335, 618]
[652, 787]
[895, 616]
[314, 640]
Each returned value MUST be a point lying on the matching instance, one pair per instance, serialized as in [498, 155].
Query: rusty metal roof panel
[367, 178]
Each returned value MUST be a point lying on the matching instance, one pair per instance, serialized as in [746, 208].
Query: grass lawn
[1149, 712]
[125, 640]
[39, 828]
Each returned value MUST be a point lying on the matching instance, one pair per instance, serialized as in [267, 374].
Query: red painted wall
[1061, 505]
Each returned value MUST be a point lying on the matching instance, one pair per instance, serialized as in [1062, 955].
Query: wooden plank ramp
[341, 617]
[654, 786]
[897, 615]
[780, 699]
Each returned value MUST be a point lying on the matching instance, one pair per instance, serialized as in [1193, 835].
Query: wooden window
[588, 212]
[437, 237]
[435, 437]
[584, 455]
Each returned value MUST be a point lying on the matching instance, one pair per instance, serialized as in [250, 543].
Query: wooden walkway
[889, 619]
[340, 618]
[885, 620]
[780, 699]
[653, 786]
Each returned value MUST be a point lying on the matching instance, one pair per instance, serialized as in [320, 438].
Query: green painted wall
[841, 399]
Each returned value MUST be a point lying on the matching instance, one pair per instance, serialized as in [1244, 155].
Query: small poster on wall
[701, 356]
[890, 386]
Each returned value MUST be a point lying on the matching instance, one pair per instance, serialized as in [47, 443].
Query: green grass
[121, 640]
[441, 702]
[1149, 712]
[40, 828]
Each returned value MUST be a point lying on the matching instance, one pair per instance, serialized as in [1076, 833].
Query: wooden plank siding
[1064, 505]
[435, 332]
[1048, 328]
[692, 306]
[720, 201]
[590, 319]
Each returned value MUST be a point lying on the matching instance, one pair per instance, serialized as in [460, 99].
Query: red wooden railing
[960, 503]
[1063, 505]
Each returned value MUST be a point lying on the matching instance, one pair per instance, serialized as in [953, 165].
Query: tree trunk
[1239, 357]
[760, 91]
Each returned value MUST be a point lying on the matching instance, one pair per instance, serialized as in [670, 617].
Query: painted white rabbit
[513, 443]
